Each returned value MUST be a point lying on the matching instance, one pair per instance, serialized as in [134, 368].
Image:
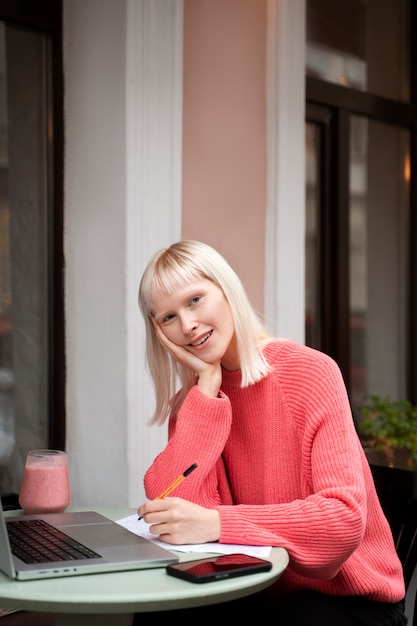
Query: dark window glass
[312, 243]
[31, 303]
[378, 253]
[363, 44]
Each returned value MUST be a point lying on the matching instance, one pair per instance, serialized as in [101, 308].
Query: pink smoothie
[45, 487]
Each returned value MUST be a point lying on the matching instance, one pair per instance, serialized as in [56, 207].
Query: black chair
[10, 501]
[397, 492]
[28, 618]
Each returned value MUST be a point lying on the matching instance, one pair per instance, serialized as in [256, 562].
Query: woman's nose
[189, 326]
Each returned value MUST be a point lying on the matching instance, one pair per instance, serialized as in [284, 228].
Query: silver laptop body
[119, 549]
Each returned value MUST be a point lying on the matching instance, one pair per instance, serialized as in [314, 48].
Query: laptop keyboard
[36, 541]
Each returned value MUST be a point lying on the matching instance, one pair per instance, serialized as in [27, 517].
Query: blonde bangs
[171, 271]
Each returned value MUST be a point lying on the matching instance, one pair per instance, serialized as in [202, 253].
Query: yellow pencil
[176, 482]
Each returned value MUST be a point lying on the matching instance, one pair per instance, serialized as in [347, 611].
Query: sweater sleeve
[197, 435]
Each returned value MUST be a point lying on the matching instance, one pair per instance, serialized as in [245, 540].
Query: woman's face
[201, 310]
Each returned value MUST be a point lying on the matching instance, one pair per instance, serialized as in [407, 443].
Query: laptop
[88, 543]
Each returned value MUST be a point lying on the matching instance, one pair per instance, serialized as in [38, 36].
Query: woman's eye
[167, 318]
[195, 300]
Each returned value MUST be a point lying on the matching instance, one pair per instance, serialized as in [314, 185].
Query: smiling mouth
[202, 340]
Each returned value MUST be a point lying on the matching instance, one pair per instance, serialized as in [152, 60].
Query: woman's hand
[209, 374]
[179, 521]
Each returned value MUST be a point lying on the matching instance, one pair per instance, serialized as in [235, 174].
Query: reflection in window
[360, 44]
[25, 107]
[312, 241]
[378, 210]
[7, 427]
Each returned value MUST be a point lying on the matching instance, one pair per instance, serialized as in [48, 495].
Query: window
[31, 355]
[360, 193]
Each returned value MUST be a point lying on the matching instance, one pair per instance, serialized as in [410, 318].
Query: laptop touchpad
[103, 535]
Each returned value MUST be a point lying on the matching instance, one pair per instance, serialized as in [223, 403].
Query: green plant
[389, 425]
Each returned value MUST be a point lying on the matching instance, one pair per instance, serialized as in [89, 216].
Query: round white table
[109, 599]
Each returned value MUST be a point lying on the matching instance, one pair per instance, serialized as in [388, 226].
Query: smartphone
[218, 567]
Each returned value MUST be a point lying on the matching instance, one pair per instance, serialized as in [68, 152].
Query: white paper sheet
[141, 528]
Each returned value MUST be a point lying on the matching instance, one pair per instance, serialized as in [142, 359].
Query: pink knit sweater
[282, 463]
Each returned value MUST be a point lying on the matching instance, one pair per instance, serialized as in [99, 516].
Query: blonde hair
[172, 268]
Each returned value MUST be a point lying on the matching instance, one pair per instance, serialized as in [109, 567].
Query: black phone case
[218, 568]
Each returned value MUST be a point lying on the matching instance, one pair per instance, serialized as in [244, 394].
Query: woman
[279, 463]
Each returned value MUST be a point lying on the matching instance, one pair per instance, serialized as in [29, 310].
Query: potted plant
[389, 428]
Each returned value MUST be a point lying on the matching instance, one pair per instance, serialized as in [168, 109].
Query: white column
[123, 101]
[285, 220]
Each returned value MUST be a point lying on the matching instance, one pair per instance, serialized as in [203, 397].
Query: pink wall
[224, 133]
